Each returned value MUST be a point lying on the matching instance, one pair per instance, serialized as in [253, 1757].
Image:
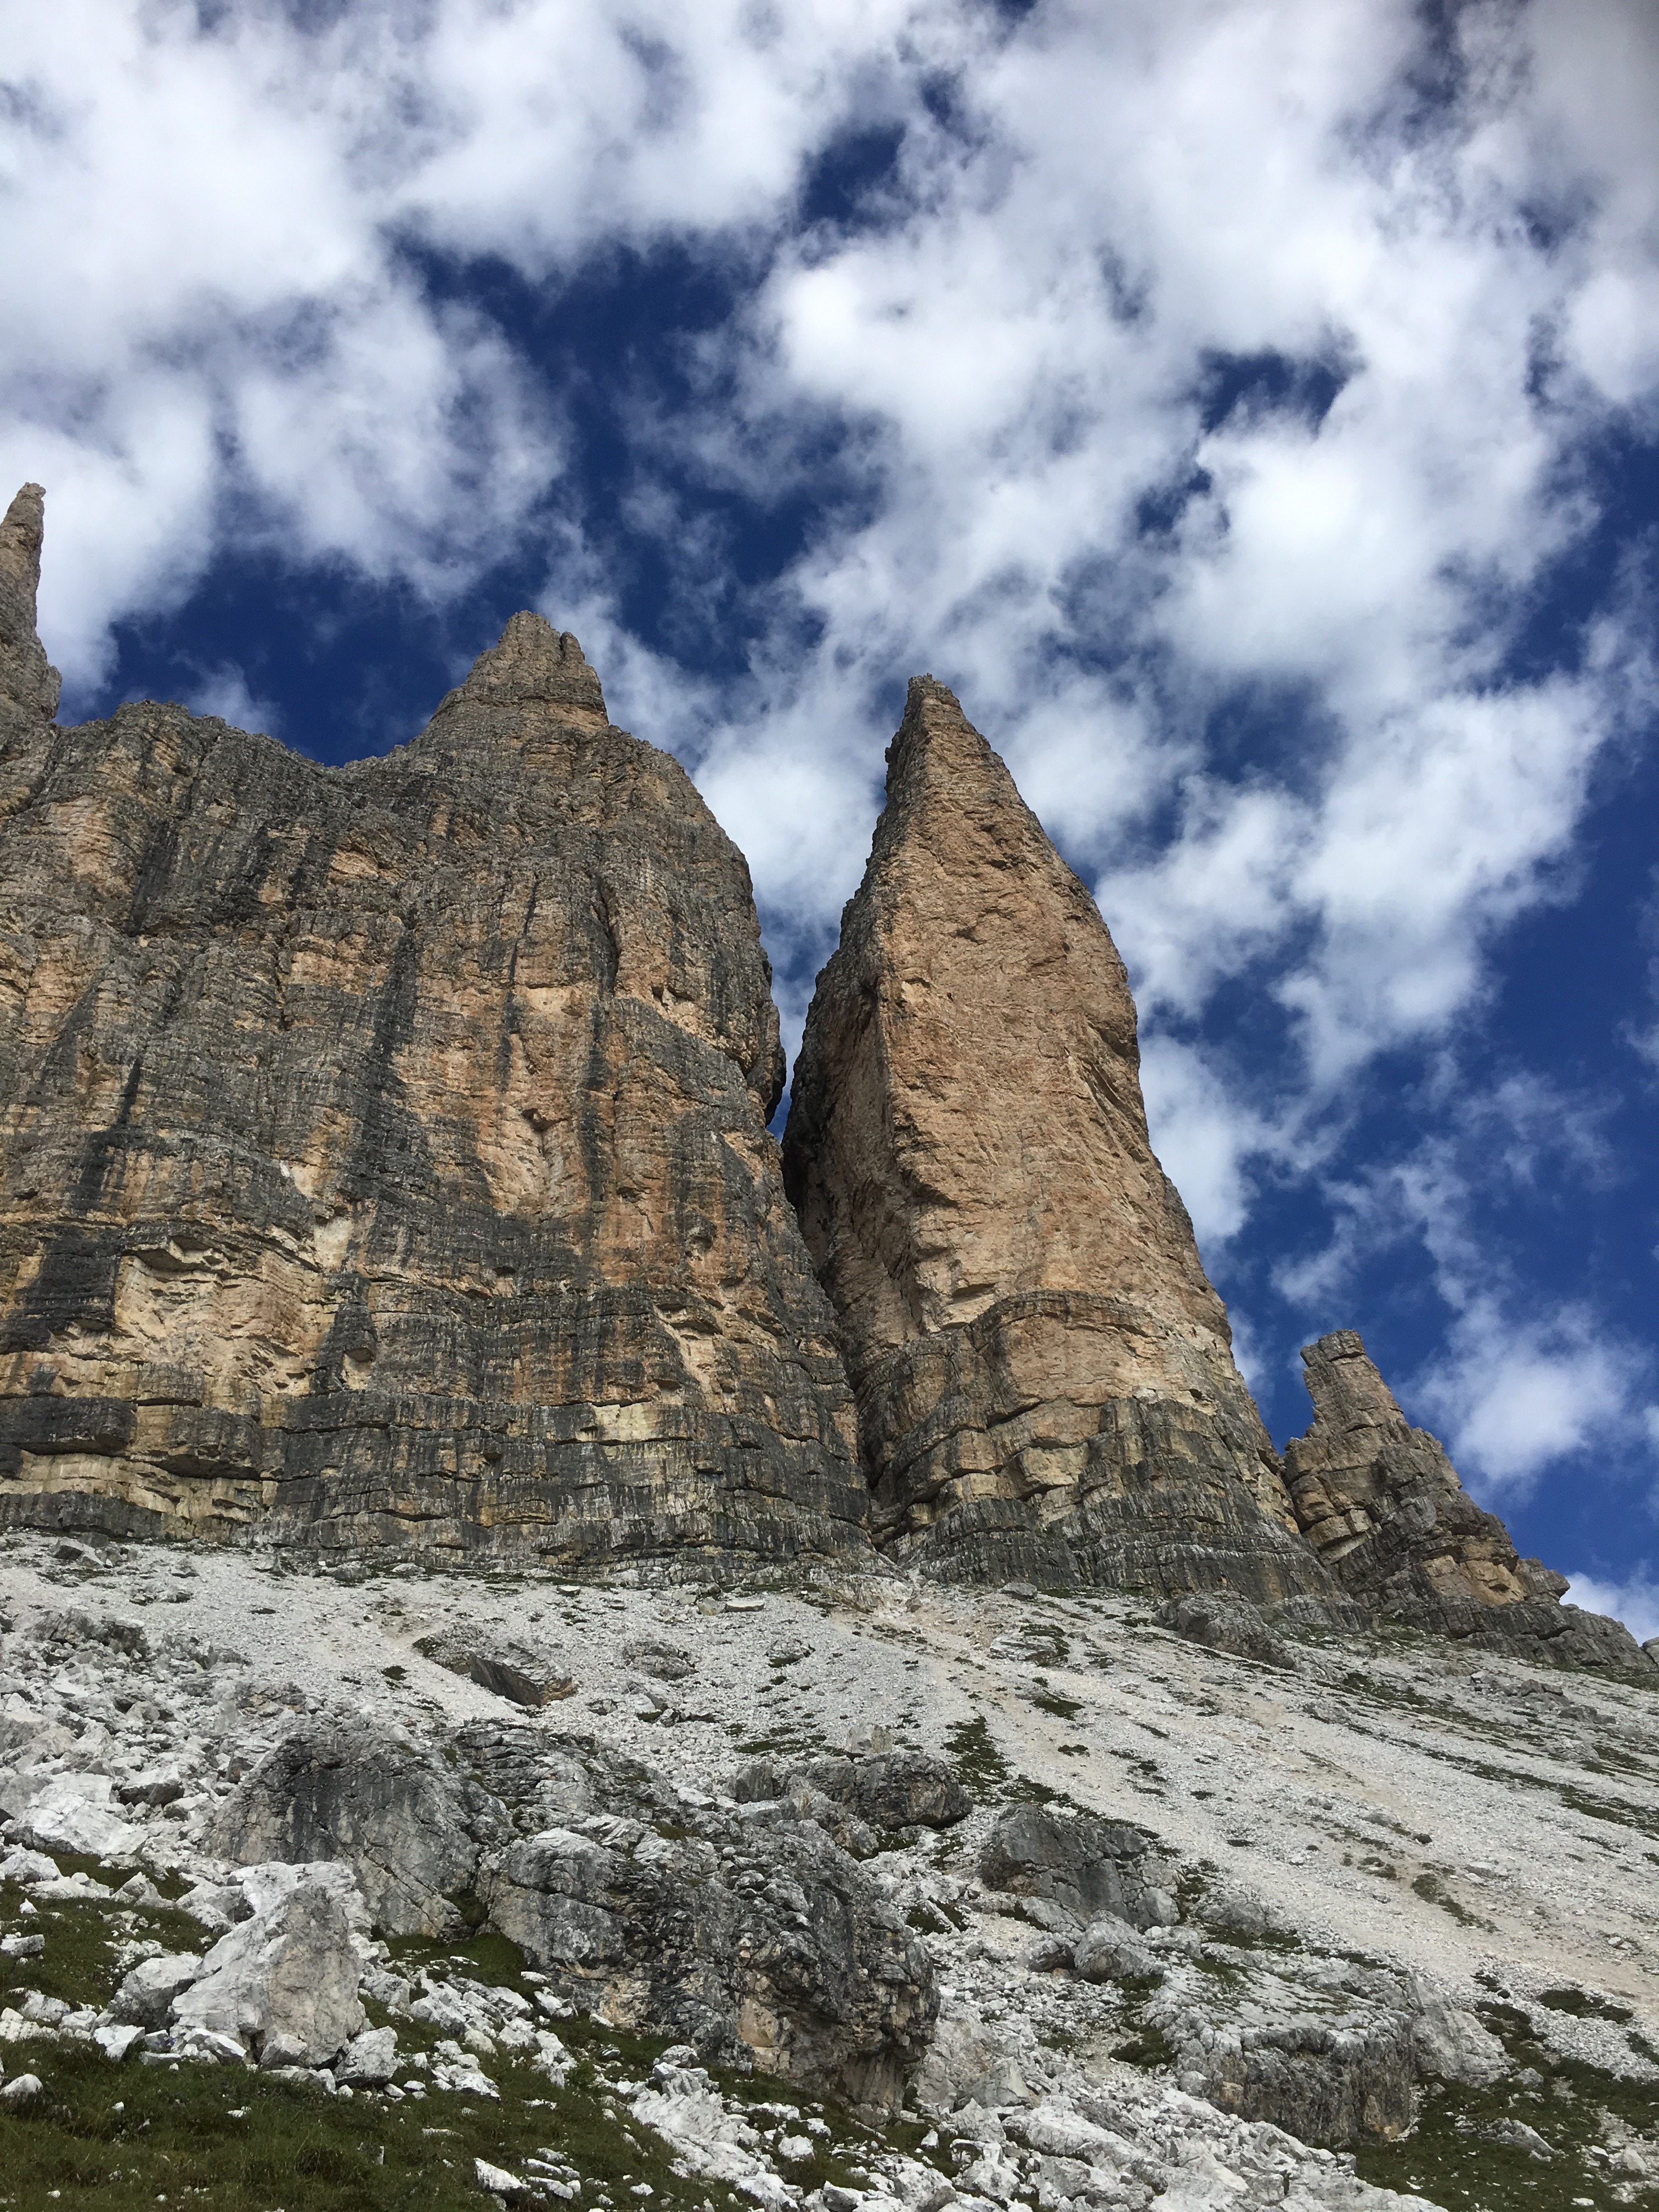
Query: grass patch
[1457, 2155]
[1051, 1701]
[1585, 2004]
[108, 2137]
[1429, 1887]
[972, 1751]
[1150, 2049]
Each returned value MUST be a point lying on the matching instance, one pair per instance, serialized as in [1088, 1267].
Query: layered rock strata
[1381, 1504]
[1044, 1375]
[383, 1149]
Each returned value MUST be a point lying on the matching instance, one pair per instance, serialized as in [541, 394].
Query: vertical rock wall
[383, 1149]
[1044, 1375]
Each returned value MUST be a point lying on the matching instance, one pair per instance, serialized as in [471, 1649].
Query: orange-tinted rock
[1044, 1374]
[1381, 1503]
[383, 1149]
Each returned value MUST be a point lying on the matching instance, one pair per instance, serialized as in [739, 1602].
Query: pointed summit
[533, 664]
[1044, 1375]
[29, 682]
[1381, 1503]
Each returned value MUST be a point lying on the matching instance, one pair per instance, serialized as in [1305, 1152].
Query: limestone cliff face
[1381, 1504]
[383, 1149]
[1044, 1375]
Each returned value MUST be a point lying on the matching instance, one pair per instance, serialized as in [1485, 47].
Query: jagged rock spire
[1044, 1374]
[29, 682]
[1381, 1501]
[533, 664]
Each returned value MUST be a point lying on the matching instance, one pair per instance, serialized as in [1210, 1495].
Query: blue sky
[1252, 410]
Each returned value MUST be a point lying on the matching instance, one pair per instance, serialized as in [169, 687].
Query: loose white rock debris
[1332, 1866]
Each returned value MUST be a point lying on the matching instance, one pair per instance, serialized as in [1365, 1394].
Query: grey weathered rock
[501, 1664]
[290, 1970]
[968, 2062]
[29, 684]
[1087, 1866]
[69, 1813]
[1381, 1503]
[369, 2058]
[1449, 2044]
[1109, 1950]
[1044, 1375]
[1225, 1622]
[884, 1790]
[788, 1955]
[664, 1662]
[145, 1996]
[1320, 2046]
[409, 1826]
[385, 1156]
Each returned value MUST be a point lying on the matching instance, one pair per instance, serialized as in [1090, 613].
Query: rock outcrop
[383, 1149]
[1381, 1504]
[410, 1829]
[1044, 1375]
[28, 683]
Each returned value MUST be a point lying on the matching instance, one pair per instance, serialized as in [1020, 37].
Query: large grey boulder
[409, 1825]
[871, 1793]
[503, 1665]
[1449, 2044]
[1085, 1865]
[145, 1996]
[1109, 1950]
[780, 1951]
[1225, 1622]
[291, 1972]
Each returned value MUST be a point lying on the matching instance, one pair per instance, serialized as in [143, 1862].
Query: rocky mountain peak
[532, 662]
[28, 683]
[1350, 1398]
[408, 1180]
[1044, 1373]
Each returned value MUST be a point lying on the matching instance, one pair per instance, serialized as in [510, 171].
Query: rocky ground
[374, 1888]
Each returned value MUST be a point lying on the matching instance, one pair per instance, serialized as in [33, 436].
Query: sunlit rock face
[1381, 1503]
[383, 1149]
[1044, 1374]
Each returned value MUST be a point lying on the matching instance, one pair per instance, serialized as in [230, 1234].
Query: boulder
[664, 1662]
[145, 1996]
[369, 2059]
[407, 1825]
[1449, 2044]
[69, 1813]
[1223, 1622]
[290, 1971]
[969, 2062]
[1109, 1950]
[1088, 1867]
[860, 1795]
[500, 1664]
[798, 1963]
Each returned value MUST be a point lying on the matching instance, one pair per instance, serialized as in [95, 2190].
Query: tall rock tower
[1044, 1375]
[383, 1149]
